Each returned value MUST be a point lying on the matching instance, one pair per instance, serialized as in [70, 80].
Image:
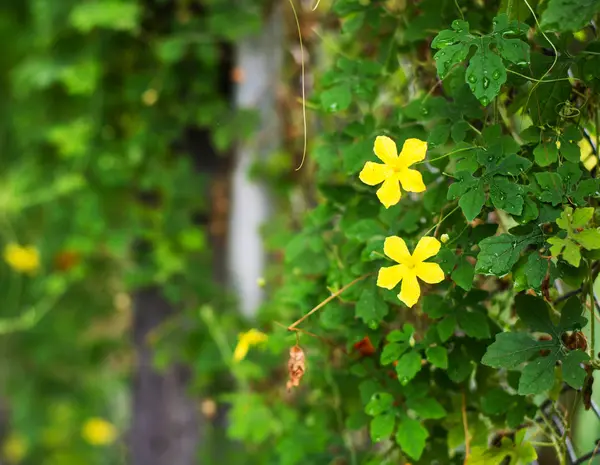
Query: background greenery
[117, 129]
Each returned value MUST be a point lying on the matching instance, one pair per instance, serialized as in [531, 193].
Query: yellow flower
[394, 170]
[410, 267]
[22, 259]
[15, 448]
[245, 341]
[98, 432]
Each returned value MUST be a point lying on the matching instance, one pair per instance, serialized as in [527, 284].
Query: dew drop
[496, 75]
[472, 79]
[425, 111]
[486, 83]
[484, 101]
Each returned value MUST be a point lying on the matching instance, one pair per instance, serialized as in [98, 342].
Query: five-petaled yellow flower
[410, 267]
[245, 341]
[23, 259]
[394, 170]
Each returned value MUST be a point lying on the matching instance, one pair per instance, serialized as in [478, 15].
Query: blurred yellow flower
[14, 448]
[394, 170]
[247, 340]
[25, 259]
[410, 267]
[98, 432]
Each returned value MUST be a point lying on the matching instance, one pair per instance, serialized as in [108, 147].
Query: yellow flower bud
[444, 238]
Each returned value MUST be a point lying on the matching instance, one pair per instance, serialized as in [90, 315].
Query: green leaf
[565, 247]
[401, 336]
[552, 186]
[570, 151]
[379, 403]
[355, 155]
[438, 135]
[454, 45]
[427, 408]
[538, 376]
[535, 270]
[437, 356]
[435, 306]
[365, 229]
[506, 195]
[485, 74]
[411, 437]
[463, 274]
[408, 366]
[496, 402]
[573, 373]
[589, 239]
[512, 165]
[510, 350]
[337, 98]
[498, 254]
[108, 14]
[475, 324]
[382, 426]
[581, 216]
[469, 191]
[459, 130]
[514, 50]
[459, 365]
[446, 327]
[370, 306]
[569, 15]
[446, 258]
[534, 312]
[545, 153]
[392, 352]
[571, 316]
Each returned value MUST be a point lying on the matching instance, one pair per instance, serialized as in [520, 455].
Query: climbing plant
[451, 256]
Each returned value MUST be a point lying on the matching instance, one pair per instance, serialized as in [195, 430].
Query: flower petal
[374, 173]
[413, 150]
[411, 180]
[427, 247]
[395, 248]
[241, 350]
[385, 149]
[390, 276]
[431, 273]
[389, 192]
[410, 290]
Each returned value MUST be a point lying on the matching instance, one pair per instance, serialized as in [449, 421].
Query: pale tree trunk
[259, 62]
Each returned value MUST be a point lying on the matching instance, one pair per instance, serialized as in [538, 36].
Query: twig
[327, 300]
[465, 427]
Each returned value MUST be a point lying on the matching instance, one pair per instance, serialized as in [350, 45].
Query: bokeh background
[148, 188]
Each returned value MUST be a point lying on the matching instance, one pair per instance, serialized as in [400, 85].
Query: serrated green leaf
[535, 270]
[382, 426]
[459, 365]
[463, 274]
[446, 327]
[450, 56]
[565, 248]
[379, 403]
[485, 74]
[437, 356]
[510, 350]
[411, 437]
[538, 375]
[570, 151]
[408, 366]
[512, 165]
[589, 239]
[498, 254]
[569, 15]
[427, 408]
[459, 130]
[370, 306]
[336, 98]
[472, 202]
[475, 324]
[573, 373]
[438, 135]
[571, 316]
[447, 259]
[552, 187]
[506, 195]
[435, 306]
[534, 312]
[392, 352]
[514, 50]
[545, 154]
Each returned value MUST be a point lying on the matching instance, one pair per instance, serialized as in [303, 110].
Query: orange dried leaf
[296, 366]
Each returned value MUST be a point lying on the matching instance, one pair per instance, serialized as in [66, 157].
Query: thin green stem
[509, 8]
[541, 80]
[459, 10]
[593, 309]
[464, 149]
[474, 128]
[441, 220]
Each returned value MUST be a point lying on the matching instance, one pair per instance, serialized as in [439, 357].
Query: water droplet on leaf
[484, 101]
[472, 79]
[486, 83]
[496, 75]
